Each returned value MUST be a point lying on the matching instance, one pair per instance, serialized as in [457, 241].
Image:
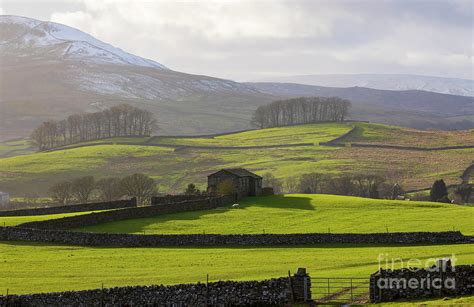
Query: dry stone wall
[273, 292]
[117, 204]
[135, 240]
[440, 281]
[128, 213]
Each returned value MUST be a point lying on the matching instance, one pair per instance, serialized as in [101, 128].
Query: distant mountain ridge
[400, 82]
[49, 71]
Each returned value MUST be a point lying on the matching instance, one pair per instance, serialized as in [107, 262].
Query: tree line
[362, 185]
[84, 189]
[121, 120]
[303, 110]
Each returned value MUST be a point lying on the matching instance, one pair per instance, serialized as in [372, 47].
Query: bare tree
[311, 183]
[140, 186]
[291, 185]
[61, 192]
[82, 188]
[268, 180]
[301, 111]
[122, 120]
[109, 188]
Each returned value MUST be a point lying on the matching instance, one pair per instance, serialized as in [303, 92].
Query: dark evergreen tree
[439, 191]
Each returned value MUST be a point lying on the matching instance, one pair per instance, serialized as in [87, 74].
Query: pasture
[304, 213]
[34, 267]
[174, 169]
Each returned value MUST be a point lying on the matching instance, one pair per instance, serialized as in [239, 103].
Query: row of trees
[302, 110]
[363, 185]
[122, 120]
[86, 188]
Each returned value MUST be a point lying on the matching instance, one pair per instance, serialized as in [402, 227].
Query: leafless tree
[82, 188]
[140, 186]
[291, 185]
[122, 120]
[311, 183]
[109, 188]
[302, 110]
[268, 180]
[61, 192]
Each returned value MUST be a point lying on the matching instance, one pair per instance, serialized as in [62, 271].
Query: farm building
[245, 183]
[4, 199]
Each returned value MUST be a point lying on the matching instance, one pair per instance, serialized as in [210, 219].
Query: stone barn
[4, 199]
[246, 183]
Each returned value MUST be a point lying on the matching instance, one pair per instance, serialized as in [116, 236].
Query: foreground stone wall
[388, 285]
[109, 205]
[128, 213]
[273, 292]
[134, 240]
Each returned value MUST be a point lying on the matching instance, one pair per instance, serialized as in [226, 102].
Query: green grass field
[15, 148]
[173, 170]
[306, 213]
[314, 133]
[27, 268]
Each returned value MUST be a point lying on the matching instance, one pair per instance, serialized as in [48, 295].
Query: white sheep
[235, 206]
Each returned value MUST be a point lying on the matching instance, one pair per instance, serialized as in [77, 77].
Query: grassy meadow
[174, 169]
[395, 135]
[34, 267]
[304, 213]
[313, 133]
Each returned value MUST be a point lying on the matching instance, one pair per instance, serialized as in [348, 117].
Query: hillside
[304, 213]
[399, 82]
[176, 162]
[409, 108]
[50, 71]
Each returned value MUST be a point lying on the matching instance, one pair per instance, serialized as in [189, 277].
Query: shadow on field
[279, 202]
[140, 225]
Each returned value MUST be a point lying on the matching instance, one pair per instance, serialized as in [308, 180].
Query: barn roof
[239, 172]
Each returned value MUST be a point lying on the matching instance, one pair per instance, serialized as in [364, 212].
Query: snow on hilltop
[17, 33]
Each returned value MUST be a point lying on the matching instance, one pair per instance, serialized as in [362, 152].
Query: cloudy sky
[250, 40]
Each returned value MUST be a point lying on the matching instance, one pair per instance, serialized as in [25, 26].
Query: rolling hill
[175, 162]
[303, 213]
[49, 71]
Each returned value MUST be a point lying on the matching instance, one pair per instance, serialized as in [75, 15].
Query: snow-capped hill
[398, 82]
[25, 33]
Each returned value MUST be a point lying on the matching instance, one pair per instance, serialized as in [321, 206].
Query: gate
[340, 290]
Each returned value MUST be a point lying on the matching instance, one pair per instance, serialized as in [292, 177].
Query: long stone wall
[438, 281]
[128, 213]
[117, 204]
[402, 147]
[272, 292]
[168, 199]
[138, 240]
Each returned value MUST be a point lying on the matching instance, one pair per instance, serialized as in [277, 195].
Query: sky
[251, 40]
